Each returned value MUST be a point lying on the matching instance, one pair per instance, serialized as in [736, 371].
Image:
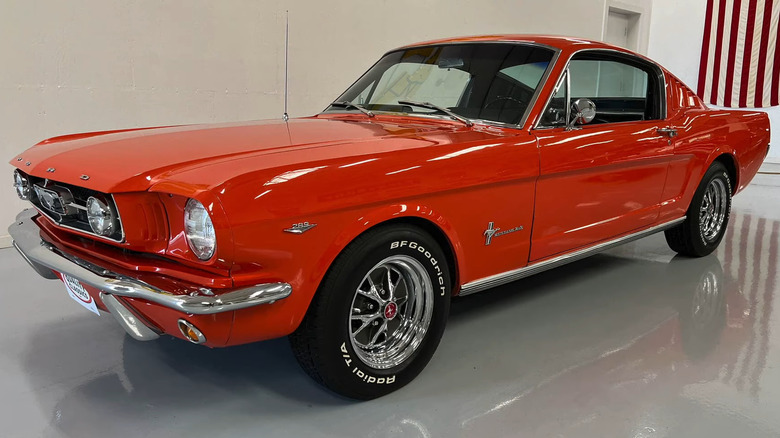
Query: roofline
[560, 42]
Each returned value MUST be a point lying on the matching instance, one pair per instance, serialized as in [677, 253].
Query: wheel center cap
[391, 309]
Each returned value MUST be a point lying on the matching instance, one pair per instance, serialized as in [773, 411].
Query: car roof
[563, 43]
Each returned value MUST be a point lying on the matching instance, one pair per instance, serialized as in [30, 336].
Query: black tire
[323, 344]
[689, 237]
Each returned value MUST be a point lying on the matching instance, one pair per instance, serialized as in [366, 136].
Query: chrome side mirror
[584, 111]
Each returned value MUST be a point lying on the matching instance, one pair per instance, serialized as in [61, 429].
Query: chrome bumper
[44, 257]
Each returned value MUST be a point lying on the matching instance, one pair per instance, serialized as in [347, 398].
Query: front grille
[72, 212]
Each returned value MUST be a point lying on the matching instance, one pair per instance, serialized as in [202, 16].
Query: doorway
[623, 28]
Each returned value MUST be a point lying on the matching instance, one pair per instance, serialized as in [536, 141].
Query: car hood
[134, 160]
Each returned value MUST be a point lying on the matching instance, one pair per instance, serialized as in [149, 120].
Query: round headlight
[102, 219]
[199, 230]
[22, 186]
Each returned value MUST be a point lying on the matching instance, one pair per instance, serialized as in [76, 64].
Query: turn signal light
[190, 332]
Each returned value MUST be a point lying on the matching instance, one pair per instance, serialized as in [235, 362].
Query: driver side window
[623, 89]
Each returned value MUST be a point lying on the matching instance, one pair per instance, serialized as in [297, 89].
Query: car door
[605, 178]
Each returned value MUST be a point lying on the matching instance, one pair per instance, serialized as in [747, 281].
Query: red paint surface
[348, 173]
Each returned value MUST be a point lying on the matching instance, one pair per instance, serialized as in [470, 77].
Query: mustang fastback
[449, 168]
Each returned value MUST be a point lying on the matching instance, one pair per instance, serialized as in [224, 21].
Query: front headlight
[101, 217]
[199, 230]
[22, 185]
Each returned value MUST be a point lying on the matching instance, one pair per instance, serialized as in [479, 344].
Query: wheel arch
[730, 163]
[423, 217]
[438, 235]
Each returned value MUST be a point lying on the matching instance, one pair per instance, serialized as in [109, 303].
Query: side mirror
[584, 111]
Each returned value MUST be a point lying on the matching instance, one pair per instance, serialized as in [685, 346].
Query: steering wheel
[502, 99]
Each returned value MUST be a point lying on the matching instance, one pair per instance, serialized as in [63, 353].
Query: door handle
[669, 132]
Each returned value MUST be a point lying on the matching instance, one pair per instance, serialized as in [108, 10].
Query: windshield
[485, 81]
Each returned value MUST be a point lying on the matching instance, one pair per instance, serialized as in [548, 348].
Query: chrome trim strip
[42, 255]
[118, 219]
[134, 327]
[516, 274]
[539, 87]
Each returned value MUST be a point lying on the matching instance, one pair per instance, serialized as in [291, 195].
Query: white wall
[676, 29]
[86, 65]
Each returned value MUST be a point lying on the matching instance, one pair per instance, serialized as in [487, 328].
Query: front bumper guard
[45, 257]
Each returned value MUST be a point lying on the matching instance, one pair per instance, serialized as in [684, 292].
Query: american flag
[740, 57]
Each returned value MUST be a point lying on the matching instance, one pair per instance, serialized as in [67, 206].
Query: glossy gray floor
[632, 343]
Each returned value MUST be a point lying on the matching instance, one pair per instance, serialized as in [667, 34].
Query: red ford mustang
[448, 168]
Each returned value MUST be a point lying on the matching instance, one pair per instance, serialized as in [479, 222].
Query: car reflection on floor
[608, 346]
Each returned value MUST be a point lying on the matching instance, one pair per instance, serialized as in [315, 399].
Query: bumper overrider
[46, 258]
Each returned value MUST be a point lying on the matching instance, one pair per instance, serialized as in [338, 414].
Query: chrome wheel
[391, 312]
[713, 210]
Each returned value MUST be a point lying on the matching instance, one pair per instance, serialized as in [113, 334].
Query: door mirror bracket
[584, 111]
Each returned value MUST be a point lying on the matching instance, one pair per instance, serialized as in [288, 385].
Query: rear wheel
[378, 315]
[707, 217]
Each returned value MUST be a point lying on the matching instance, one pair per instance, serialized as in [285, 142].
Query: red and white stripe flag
[740, 57]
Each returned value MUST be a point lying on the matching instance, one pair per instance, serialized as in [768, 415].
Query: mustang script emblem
[300, 228]
[491, 232]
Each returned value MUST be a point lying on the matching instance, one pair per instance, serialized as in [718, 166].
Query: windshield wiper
[357, 106]
[432, 106]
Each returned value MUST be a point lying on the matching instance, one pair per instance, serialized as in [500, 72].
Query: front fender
[411, 212]
[303, 260]
[174, 196]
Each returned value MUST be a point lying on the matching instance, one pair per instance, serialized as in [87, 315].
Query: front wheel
[378, 315]
[707, 218]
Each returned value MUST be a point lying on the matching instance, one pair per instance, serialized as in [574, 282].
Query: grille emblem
[57, 201]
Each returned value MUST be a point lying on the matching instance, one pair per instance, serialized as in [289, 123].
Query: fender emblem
[491, 232]
[300, 228]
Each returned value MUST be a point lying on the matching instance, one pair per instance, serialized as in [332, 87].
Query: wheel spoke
[389, 279]
[372, 293]
[393, 286]
[402, 300]
[382, 329]
[365, 320]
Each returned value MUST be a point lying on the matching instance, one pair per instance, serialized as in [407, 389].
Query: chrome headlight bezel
[101, 217]
[22, 186]
[199, 230]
